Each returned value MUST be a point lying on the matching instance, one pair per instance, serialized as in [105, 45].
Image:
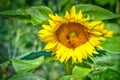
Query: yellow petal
[46, 39]
[67, 16]
[50, 45]
[73, 12]
[70, 54]
[52, 24]
[74, 58]
[95, 52]
[83, 51]
[101, 38]
[65, 54]
[52, 17]
[88, 49]
[93, 24]
[96, 33]
[78, 54]
[100, 47]
[59, 46]
[45, 32]
[55, 18]
[60, 51]
[102, 26]
[58, 18]
[93, 41]
[107, 33]
[48, 28]
[80, 15]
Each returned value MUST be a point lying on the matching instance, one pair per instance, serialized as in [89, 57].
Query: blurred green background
[17, 37]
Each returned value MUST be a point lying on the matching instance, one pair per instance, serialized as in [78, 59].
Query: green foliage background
[18, 39]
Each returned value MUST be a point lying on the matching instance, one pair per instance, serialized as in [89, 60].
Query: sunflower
[72, 36]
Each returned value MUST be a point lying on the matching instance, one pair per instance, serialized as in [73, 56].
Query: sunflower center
[72, 35]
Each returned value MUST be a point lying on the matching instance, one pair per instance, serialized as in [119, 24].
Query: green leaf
[81, 72]
[26, 76]
[95, 12]
[34, 15]
[110, 61]
[69, 77]
[106, 67]
[39, 14]
[28, 62]
[21, 66]
[4, 64]
[112, 44]
[113, 27]
[65, 6]
[36, 54]
[104, 2]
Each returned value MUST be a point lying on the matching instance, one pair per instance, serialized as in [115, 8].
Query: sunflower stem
[69, 66]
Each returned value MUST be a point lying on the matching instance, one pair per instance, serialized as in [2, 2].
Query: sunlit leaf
[39, 14]
[113, 27]
[112, 44]
[81, 72]
[26, 76]
[28, 62]
[26, 65]
[95, 12]
[34, 15]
